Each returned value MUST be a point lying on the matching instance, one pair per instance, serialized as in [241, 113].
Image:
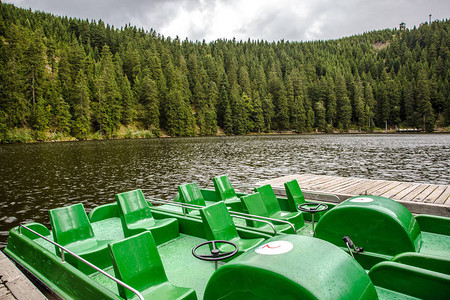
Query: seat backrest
[223, 187]
[133, 207]
[269, 198]
[70, 224]
[217, 222]
[294, 194]
[136, 262]
[191, 194]
[255, 206]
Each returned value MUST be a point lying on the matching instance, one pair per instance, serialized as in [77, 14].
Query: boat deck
[417, 197]
[14, 284]
[176, 256]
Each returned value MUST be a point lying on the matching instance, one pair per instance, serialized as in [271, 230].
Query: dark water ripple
[38, 177]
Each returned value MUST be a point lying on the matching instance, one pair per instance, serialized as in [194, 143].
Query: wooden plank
[282, 180]
[391, 193]
[317, 181]
[373, 189]
[23, 289]
[336, 182]
[355, 187]
[405, 192]
[424, 194]
[18, 285]
[367, 185]
[444, 197]
[412, 195]
[308, 178]
[431, 198]
[386, 188]
[341, 187]
[4, 292]
[8, 271]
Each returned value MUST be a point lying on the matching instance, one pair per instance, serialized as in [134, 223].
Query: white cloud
[272, 20]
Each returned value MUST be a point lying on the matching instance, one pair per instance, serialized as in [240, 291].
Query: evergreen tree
[81, 112]
[423, 101]
[278, 92]
[107, 109]
[344, 110]
[320, 114]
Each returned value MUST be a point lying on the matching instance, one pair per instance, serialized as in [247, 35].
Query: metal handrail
[257, 220]
[235, 214]
[179, 204]
[322, 194]
[83, 260]
[266, 218]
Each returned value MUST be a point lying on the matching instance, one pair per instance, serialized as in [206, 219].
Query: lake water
[37, 177]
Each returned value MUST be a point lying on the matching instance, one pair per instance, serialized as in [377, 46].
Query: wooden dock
[14, 284]
[417, 197]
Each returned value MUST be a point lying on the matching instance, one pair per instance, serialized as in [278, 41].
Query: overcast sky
[272, 20]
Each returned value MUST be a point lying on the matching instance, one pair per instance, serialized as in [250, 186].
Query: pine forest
[63, 78]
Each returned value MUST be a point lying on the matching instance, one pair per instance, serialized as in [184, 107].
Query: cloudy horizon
[293, 20]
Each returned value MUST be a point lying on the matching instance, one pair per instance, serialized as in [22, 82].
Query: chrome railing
[322, 194]
[234, 214]
[83, 260]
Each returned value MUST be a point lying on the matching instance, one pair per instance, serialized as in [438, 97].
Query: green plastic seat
[136, 262]
[273, 207]
[225, 192]
[295, 197]
[294, 194]
[136, 217]
[219, 225]
[256, 206]
[191, 194]
[71, 229]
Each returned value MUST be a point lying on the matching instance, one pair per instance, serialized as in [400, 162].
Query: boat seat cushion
[219, 225]
[136, 262]
[71, 228]
[136, 217]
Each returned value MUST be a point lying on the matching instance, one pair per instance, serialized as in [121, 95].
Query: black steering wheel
[312, 207]
[215, 252]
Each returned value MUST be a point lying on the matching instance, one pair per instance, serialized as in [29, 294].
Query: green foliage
[62, 76]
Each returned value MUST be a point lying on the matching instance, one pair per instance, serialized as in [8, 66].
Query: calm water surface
[38, 177]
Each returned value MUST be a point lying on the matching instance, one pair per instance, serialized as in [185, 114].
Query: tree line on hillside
[68, 77]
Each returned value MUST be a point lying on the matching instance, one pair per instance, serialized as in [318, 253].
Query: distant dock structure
[419, 198]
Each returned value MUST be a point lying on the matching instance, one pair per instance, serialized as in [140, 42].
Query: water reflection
[37, 177]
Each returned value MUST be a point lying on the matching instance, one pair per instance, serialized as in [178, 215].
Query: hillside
[63, 78]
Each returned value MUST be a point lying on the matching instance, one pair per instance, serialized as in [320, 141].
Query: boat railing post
[62, 256]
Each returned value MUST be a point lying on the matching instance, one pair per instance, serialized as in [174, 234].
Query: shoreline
[163, 135]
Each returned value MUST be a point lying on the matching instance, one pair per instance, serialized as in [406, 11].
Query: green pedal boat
[202, 247]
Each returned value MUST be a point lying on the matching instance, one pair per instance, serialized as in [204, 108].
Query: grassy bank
[25, 135]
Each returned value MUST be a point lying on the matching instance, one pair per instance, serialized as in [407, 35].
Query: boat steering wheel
[312, 207]
[215, 252]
